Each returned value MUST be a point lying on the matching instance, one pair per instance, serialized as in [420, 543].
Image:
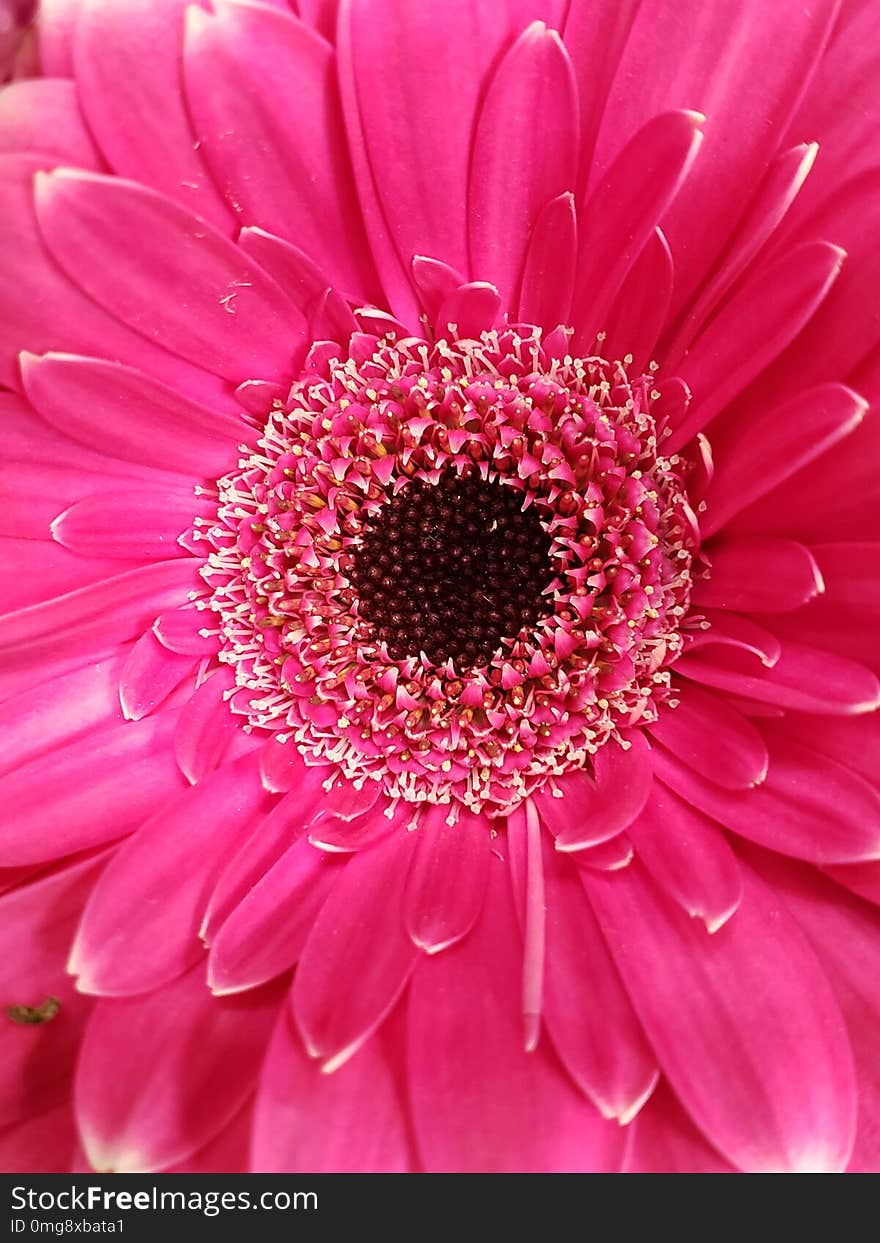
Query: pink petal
[688, 858]
[57, 22]
[638, 312]
[713, 738]
[548, 276]
[291, 180]
[110, 611]
[516, 165]
[744, 1023]
[32, 572]
[411, 159]
[71, 798]
[591, 25]
[590, 811]
[623, 211]
[584, 1000]
[298, 275]
[144, 1101]
[852, 741]
[804, 678]
[746, 66]
[266, 933]
[843, 934]
[134, 523]
[809, 806]
[140, 928]
[860, 878]
[607, 856]
[435, 282]
[40, 309]
[271, 838]
[771, 201]
[188, 630]
[124, 413]
[344, 836]
[37, 922]
[226, 1153]
[205, 728]
[148, 676]
[447, 881]
[466, 1051]
[306, 1121]
[128, 65]
[750, 330]
[749, 646]
[357, 960]
[43, 1143]
[184, 285]
[42, 114]
[663, 1140]
[754, 456]
[758, 575]
[39, 720]
[470, 310]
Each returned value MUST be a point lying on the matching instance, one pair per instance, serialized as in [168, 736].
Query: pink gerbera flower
[440, 591]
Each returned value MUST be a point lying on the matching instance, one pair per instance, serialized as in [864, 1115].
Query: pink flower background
[673, 967]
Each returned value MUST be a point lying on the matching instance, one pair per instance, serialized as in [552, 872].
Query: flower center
[454, 567]
[449, 569]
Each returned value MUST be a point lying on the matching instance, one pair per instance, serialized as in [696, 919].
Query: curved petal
[804, 678]
[638, 313]
[265, 934]
[590, 811]
[755, 455]
[752, 329]
[465, 1049]
[294, 180]
[150, 1089]
[183, 285]
[517, 165]
[584, 1000]
[809, 806]
[623, 211]
[39, 720]
[42, 114]
[356, 961]
[140, 928]
[743, 1022]
[306, 1121]
[127, 63]
[126, 414]
[550, 262]
[746, 65]
[689, 858]
[758, 575]
[71, 798]
[149, 674]
[447, 880]
[710, 736]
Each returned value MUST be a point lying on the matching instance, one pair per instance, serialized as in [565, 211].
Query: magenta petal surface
[355, 963]
[516, 167]
[208, 304]
[307, 1120]
[291, 180]
[146, 1104]
[464, 1056]
[743, 1022]
[127, 60]
[140, 927]
[447, 880]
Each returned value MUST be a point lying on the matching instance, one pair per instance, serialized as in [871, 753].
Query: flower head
[438, 660]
